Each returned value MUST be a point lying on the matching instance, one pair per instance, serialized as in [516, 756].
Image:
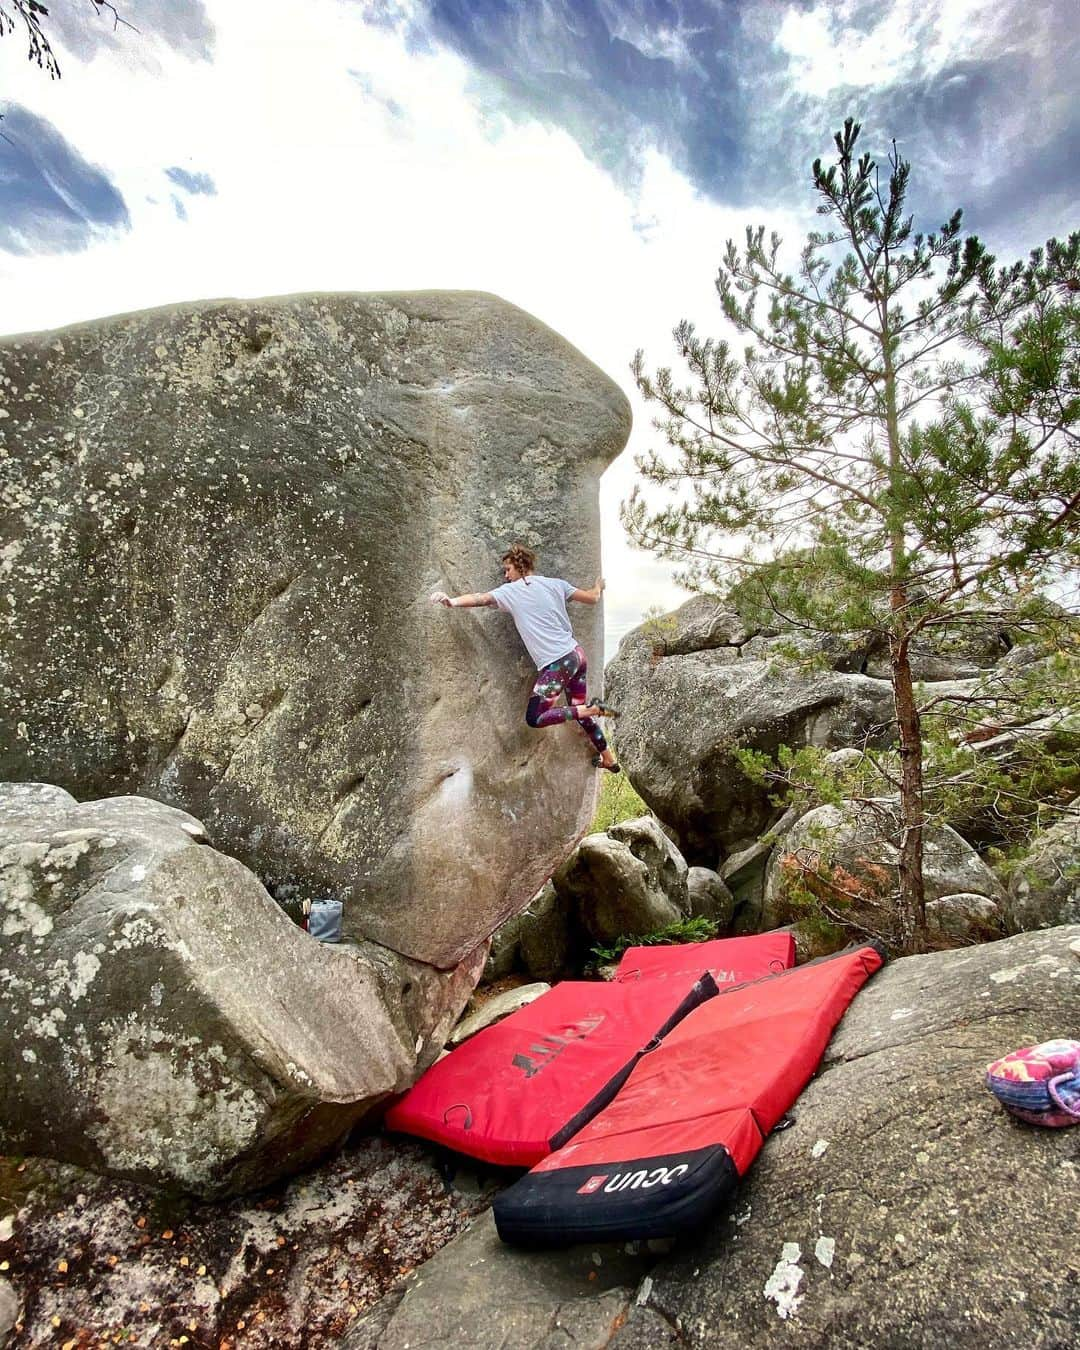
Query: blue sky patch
[196, 184]
[51, 199]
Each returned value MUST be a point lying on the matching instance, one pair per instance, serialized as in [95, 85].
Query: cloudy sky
[584, 159]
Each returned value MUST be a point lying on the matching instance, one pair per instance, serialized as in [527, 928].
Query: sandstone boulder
[709, 897]
[684, 716]
[545, 940]
[221, 525]
[744, 872]
[847, 654]
[631, 879]
[897, 1210]
[163, 1020]
[1044, 890]
[973, 643]
[853, 848]
[701, 624]
[964, 918]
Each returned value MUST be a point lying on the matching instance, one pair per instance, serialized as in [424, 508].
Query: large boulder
[163, 1020]
[954, 920]
[904, 1208]
[1044, 888]
[973, 642]
[222, 524]
[700, 624]
[684, 713]
[709, 897]
[630, 879]
[745, 871]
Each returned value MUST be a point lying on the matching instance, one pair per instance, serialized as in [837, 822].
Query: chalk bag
[324, 920]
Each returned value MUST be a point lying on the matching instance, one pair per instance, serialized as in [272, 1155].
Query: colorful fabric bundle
[1040, 1083]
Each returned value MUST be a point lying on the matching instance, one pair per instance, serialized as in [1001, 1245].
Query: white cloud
[321, 186]
[828, 51]
[344, 161]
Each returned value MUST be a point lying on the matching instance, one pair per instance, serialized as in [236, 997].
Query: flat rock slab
[479, 1293]
[495, 1009]
[905, 1208]
[267, 492]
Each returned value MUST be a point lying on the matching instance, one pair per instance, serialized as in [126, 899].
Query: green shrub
[682, 930]
[618, 801]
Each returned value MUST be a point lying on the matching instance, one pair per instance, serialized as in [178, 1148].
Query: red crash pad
[728, 960]
[505, 1094]
[522, 1087]
[692, 1115]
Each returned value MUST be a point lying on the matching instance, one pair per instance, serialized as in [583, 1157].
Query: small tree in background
[892, 449]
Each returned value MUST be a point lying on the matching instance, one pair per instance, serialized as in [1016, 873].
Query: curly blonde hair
[517, 555]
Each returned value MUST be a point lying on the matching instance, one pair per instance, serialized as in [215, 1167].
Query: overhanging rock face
[222, 523]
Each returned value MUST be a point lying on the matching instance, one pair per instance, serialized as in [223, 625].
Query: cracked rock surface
[220, 524]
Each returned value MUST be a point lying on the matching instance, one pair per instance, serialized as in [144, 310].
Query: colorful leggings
[565, 676]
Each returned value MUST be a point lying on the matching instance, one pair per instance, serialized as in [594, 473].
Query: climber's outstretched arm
[462, 601]
[591, 596]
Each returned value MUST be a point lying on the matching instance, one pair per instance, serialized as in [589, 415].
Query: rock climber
[538, 607]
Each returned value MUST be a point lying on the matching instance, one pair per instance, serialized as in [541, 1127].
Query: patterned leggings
[565, 676]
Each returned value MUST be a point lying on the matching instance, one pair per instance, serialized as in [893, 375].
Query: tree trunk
[912, 914]
[912, 894]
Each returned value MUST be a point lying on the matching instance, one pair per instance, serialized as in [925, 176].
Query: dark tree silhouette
[26, 16]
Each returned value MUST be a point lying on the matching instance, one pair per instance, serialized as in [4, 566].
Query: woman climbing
[538, 607]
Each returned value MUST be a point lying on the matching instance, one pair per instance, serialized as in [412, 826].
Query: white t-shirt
[538, 607]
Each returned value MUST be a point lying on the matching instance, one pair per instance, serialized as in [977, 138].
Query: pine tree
[893, 448]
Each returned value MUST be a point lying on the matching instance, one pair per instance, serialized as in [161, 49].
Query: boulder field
[695, 687]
